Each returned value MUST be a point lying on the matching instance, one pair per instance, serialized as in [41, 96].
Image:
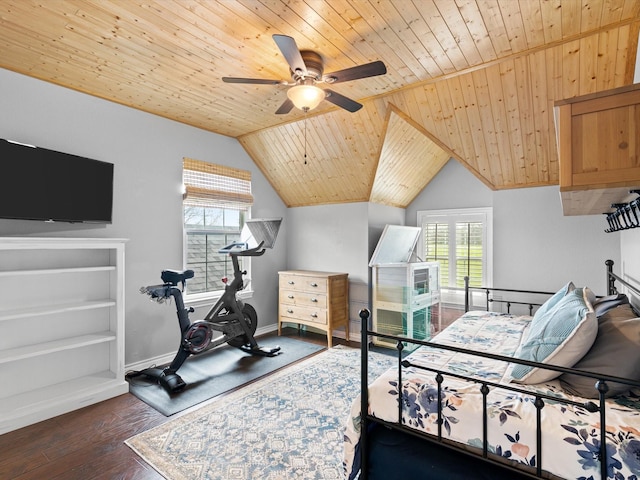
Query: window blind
[460, 239]
[469, 252]
[208, 184]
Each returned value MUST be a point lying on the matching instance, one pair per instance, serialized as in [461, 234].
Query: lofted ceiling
[473, 80]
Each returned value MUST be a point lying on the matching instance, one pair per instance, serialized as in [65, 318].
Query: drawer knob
[314, 300]
[289, 296]
[314, 315]
[291, 282]
[289, 310]
[313, 284]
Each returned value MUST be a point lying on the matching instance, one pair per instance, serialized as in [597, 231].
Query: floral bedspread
[571, 435]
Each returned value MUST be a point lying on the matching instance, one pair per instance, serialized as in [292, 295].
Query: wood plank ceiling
[474, 80]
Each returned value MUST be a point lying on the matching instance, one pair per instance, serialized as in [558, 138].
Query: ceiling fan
[307, 70]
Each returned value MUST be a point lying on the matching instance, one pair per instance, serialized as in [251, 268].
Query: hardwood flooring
[88, 444]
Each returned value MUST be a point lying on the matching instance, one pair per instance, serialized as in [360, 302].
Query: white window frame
[209, 297]
[451, 216]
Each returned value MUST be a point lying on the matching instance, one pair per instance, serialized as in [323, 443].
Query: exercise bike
[235, 320]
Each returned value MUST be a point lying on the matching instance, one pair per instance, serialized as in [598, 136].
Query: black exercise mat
[218, 371]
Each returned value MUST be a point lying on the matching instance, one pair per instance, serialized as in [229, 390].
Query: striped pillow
[560, 336]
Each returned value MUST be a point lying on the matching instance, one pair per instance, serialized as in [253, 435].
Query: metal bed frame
[592, 406]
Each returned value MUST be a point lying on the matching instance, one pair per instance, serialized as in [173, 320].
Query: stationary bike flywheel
[251, 317]
[198, 337]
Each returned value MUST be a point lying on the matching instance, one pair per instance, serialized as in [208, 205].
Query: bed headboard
[506, 297]
[615, 284]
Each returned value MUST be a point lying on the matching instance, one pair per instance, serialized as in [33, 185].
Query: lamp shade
[305, 97]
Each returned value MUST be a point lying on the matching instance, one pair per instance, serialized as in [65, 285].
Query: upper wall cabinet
[599, 146]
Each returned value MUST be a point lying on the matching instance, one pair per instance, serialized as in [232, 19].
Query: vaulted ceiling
[475, 80]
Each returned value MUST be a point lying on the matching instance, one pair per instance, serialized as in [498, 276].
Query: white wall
[329, 238]
[147, 152]
[334, 238]
[629, 268]
[453, 187]
[555, 248]
[535, 246]
[379, 217]
[338, 238]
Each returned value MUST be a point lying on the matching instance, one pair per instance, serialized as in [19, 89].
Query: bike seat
[176, 276]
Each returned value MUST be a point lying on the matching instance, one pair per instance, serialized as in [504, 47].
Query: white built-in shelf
[61, 326]
[55, 271]
[29, 312]
[44, 348]
[55, 399]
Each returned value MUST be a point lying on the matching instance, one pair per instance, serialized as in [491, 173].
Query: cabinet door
[605, 146]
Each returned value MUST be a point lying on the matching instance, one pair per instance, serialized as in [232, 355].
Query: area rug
[288, 425]
[218, 371]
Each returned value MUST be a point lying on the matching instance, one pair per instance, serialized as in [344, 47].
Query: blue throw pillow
[561, 335]
[553, 301]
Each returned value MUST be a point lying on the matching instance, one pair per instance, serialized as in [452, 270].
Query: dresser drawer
[306, 314]
[305, 299]
[303, 283]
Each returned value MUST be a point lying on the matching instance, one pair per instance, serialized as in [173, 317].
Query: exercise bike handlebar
[253, 252]
[158, 293]
[234, 249]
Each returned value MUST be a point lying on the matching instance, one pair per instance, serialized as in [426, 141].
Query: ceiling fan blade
[361, 71]
[257, 81]
[291, 52]
[342, 101]
[285, 107]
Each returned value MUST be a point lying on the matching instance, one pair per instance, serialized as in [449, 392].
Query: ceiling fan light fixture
[306, 97]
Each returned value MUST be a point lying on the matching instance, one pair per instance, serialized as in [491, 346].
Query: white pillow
[560, 336]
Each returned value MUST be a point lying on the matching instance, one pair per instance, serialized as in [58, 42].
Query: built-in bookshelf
[61, 326]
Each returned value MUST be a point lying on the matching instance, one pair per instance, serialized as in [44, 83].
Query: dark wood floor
[88, 444]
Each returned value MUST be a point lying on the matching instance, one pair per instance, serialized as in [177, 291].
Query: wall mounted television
[41, 184]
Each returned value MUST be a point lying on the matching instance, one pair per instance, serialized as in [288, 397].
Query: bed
[508, 395]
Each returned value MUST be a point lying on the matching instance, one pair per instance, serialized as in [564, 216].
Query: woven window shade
[211, 185]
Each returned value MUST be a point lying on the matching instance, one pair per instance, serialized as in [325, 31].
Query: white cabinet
[61, 326]
[405, 298]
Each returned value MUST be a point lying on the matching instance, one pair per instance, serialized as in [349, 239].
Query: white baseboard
[168, 357]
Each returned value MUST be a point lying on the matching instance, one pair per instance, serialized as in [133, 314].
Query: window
[461, 240]
[217, 201]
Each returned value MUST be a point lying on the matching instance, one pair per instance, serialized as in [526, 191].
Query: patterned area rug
[288, 425]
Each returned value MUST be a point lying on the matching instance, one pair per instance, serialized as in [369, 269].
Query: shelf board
[23, 409]
[21, 353]
[54, 271]
[51, 309]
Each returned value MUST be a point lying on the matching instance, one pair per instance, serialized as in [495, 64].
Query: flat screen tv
[41, 184]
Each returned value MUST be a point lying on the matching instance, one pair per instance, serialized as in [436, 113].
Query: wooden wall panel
[477, 77]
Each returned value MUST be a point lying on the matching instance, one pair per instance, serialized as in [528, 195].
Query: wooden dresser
[315, 299]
